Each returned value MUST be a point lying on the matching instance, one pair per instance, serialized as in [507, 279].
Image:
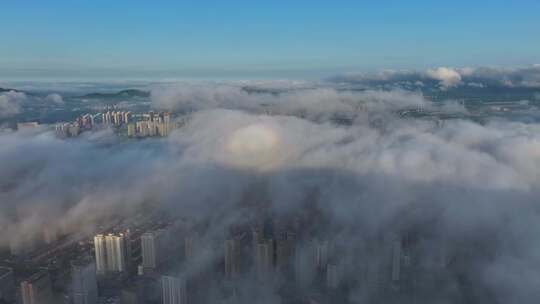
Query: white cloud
[55, 98]
[448, 77]
[10, 103]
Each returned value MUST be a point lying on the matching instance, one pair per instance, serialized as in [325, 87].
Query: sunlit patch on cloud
[256, 146]
[447, 76]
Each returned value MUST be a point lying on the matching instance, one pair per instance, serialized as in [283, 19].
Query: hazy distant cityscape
[131, 125]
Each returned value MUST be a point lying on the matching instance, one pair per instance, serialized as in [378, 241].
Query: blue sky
[295, 38]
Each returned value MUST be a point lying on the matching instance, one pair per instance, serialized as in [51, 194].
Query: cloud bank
[447, 77]
[318, 103]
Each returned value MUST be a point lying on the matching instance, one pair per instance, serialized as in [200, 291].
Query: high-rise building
[129, 296]
[116, 252]
[285, 251]
[152, 124]
[190, 245]
[101, 254]
[323, 249]
[153, 245]
[333, 276]
[231, 258]
[131, 130]
[107, 117]
[174, 290]
[305, 264]
[152, 128]
[161, 129]
[264, 258]
[37, 289]
[256, 238]
[396, 259]
[141, 127]
[167, 123]
[167, 118]
[7, 285]
[375, 276]
[86, 122]
[127, 116]
[83, 281]
[112, 252]
[117, 118]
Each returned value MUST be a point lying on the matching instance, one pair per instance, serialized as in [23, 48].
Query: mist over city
[254, 161]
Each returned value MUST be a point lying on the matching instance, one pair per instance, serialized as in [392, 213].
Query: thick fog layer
[464, 188]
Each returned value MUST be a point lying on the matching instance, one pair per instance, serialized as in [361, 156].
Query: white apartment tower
[100, 251]
[37, 289]
[111, 253]
[153, 245]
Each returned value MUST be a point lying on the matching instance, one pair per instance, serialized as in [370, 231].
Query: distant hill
[2, 90]
[120, 94]
[272, 91]
[256, 90]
